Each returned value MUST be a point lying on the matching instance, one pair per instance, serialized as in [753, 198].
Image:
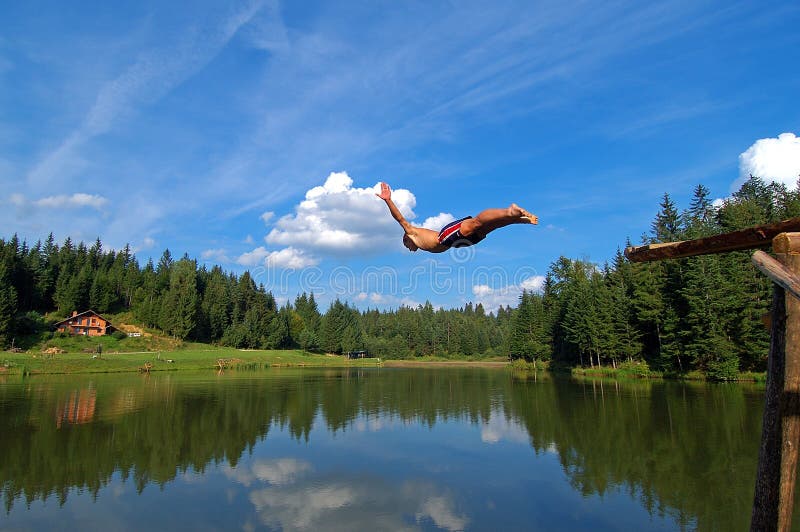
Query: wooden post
[778, 455]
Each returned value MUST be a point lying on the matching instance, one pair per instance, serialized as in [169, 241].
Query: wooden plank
[777, 272]
[751, 238]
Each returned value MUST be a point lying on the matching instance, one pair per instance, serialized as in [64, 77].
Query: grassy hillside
[49, 352]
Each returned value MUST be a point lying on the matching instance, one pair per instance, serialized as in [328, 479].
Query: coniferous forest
[700, 314]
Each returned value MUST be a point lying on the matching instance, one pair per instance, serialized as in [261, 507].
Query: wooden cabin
[87, 323]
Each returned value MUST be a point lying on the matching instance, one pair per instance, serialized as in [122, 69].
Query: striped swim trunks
[451, 236]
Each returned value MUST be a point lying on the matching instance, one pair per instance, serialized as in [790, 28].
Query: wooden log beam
[777, 272]
[780, 443]
[760, 236]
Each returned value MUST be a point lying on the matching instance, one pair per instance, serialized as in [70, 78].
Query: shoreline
[28, 364]
[444, 363]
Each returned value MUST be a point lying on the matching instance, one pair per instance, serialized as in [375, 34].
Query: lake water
[374, 449]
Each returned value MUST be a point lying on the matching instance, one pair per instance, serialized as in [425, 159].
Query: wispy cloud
[154, 74]
[73, 201]
[324, 100]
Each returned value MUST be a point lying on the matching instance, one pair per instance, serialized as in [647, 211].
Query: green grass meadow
[191, 358]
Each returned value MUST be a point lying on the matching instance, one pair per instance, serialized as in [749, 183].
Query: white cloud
[386, 300]
[277, 472]
[355, 504]
[772, 159]
[301, 509]
[494, 298]
[290, 258]
[499, 428]
[482, 289]
[434, 223]
[148, 243]
[281, 471]
[441, 512]
[267, 216]
[533, 284]
[63, 201]
[284, 258]
[253, 258]
[337, 218]
[216, 255]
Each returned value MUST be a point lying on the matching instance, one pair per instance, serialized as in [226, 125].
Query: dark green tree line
[191, 302]
[701, 313]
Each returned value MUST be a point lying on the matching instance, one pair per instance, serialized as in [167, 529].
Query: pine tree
[8, 307]
[628, 344]
[179, 316]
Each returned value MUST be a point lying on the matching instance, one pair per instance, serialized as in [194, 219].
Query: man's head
[407, 242]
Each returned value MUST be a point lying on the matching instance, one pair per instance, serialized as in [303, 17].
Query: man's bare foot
[515, 211]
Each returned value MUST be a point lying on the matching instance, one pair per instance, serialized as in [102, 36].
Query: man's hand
[386, 192]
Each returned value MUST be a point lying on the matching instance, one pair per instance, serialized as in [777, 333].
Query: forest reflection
[684, 450]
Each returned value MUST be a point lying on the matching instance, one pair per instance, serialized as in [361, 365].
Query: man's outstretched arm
[386, 195]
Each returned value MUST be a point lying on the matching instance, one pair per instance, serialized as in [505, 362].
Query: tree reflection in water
[687, 451]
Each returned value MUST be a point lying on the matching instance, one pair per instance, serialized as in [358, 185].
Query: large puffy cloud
[772, 159]
[335, 219]
[339, 218]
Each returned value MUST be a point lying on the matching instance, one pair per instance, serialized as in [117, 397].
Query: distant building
[87, 323]
[358, 354]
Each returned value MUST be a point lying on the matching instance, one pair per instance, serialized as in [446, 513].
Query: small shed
[359, 354]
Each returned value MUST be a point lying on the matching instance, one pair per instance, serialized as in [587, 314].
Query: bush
[635, 369]
[119, 335]
[724, 369]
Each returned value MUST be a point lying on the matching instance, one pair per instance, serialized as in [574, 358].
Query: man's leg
[490, 219]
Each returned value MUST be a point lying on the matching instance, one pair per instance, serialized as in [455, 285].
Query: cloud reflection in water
[294, 499]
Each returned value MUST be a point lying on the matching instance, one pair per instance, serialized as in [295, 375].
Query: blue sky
[208, 130]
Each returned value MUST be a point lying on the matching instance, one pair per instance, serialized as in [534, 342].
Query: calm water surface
[377, 449]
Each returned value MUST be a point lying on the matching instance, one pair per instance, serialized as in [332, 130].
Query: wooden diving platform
[773, 500]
